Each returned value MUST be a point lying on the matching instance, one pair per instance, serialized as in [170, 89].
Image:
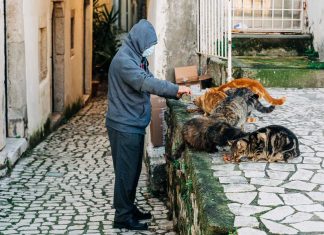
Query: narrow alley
[65, 184]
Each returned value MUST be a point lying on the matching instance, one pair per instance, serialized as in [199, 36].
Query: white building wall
[2, 78]
[74, 59]
[157, 13]
[315, 12]
[37, 14]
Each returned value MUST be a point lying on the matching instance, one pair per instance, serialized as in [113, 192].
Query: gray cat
[237, 107]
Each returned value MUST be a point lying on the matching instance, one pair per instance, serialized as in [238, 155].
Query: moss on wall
[196, 198]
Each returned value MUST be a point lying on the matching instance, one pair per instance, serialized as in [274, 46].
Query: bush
[105, 43]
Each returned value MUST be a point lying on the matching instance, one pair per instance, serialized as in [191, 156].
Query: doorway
[87, 48]
[58, 52]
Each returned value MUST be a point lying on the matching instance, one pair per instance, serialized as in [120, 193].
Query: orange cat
[211, 99]
[255, 86]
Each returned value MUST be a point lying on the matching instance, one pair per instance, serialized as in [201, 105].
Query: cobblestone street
[65, 185]
[282, 198]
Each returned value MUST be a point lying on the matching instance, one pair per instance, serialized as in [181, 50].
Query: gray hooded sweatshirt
[130, 83]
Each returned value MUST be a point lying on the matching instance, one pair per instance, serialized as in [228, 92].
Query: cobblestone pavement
[65, 185]
[282, 198]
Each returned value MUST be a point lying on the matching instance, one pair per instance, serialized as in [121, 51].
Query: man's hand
[183, 90]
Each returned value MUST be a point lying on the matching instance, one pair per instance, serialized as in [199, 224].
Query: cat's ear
[230, 142]
[197, 101]
[256, 96]
[262, 136]
[241, 144]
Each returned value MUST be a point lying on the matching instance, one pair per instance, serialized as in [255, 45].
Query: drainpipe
[6, 63]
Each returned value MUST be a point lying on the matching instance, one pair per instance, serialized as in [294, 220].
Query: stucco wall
[315, 12]
[37, 14]
[16, 66]
[73, 61]
[2, 77]
[175, 24]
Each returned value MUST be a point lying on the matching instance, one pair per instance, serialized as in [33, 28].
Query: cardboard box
[158, 125]
[188, 76]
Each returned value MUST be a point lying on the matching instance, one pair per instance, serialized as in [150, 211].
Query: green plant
[105, 42]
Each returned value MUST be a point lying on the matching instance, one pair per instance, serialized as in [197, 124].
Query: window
[43, 53]
[72, 33]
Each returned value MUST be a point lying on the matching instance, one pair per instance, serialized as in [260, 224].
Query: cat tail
[261, 108]
[178, 152]
[271, 100]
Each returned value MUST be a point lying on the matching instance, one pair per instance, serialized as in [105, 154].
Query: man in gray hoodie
[130, 84]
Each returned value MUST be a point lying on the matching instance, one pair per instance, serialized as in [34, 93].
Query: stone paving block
[232, 188]
[269, 199]
[279, 213]
[246, 221]
[254, 174]
[300, 185]
[226, 173]
[233, 180]
[316, 196]
[268, 189]
[250, 231]
[295, 199]
[266, 182]
[278, 175]
[244, 198]
[277, 228]
[254, 166]
[281, 167]
[310, 226]
[246, 210]
[297, 217]
[318, 178]
[309, 208]
[302, 175]
[309, 166]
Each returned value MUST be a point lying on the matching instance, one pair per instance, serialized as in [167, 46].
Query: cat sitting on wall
[214, 96]
[237, 107]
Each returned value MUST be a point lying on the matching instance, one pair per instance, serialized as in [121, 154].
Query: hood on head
[142, 36]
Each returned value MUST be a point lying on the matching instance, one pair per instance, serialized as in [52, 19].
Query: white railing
[217, 19]
[268, 15]
[214, 29]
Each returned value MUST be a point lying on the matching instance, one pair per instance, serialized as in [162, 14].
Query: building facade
[45, 62]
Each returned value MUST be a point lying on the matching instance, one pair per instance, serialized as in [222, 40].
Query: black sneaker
[131, 224]
[141, 215]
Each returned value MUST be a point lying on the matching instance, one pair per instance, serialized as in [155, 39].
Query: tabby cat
[271, 143]
[237, 107]
[214, 96]
[208, 101]
[255, 86]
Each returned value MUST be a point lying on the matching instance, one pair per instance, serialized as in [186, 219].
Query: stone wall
[315, 14]
[16, 67]
[175, 25]
[195, 198]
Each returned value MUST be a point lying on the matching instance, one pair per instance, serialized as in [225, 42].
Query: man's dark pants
[127, 153]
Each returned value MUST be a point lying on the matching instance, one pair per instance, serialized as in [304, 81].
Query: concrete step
[280, 71]
[272, 44]
[14, 149]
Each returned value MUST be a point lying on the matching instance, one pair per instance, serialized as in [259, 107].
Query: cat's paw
[251, 120]
[227, 158]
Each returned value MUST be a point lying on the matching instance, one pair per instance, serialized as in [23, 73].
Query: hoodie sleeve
[141, 81]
